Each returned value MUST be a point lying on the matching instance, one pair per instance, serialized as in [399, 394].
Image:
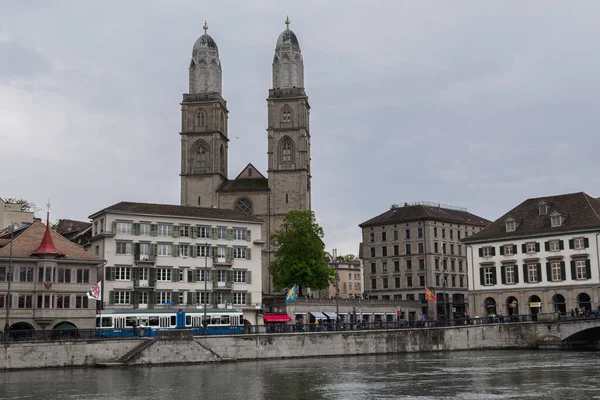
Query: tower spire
[287, 22]
[47, 247]
[205, 27]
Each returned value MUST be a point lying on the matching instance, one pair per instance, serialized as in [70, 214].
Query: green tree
[300, 256]
[349, 257]
[26, 206]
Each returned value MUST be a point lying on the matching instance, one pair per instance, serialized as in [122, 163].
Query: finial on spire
[287, 21]
[48, 212]
[205, 27]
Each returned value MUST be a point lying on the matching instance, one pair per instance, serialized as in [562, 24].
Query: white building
[11, 214]
[540, 257]
[177, 257]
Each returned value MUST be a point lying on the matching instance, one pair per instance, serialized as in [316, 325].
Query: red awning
[276, 318]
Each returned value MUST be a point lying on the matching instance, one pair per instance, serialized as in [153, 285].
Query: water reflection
[452, 375]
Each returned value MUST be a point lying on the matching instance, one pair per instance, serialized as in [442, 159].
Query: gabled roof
[579, 210]
[126, 207]
[419, 212]
[71, 226]
[29, 240]
[250, 172]
[245, 185]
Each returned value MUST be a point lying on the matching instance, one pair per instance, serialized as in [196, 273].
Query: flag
[429, 295]
[291, 294]
[95, 292]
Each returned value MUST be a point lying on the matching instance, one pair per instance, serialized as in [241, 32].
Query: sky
[468, 103]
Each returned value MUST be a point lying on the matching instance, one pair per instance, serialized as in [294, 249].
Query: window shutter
[228, 254]
[248, 254]
[248, 276]
[503, 274]
[563, 273]
[136, 251]
[111, 274]
[153, 249]
[111, 297]
[214, 233]
[573, 270]
[135, 273]
[516, 269]
[539, 271]
[229, 234]
[214, 276]
[152, 298]
[135, 228]
[190, 300]
[190, 275]
[175, 297]
[547, 246]
[194, 232]
[501, 250]
[523, 248]
[193, 250]
[586, 242]
[561, 244]
[175, 275]
[494, 277]
[114, 227]
[537, 247]
[175, 250]
[515, 249]
[152, 276]
[480, 252]
[248, 235]
[525, 273]
[481, 276]
[493, 249]
[571, 244]
[214, 252]
[135, 299]
[153, 230]
[588, 269]
[248, 299]
[548, 272]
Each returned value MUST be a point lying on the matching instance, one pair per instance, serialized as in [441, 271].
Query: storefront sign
[535, 304]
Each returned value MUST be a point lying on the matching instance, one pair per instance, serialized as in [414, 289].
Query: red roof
[276, 318]
[47, 246]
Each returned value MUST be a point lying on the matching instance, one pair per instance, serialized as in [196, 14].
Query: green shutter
[215, 234]
[189, 298]
[248, 235]
[248, 276]
[563, 272]
[193, 249]
[539, 271]
[229, 234]
[586, 242]
[248, 254]
[111, 297]
[525, 274]
[481, 276]
[573, 270]
[152, 276]
[228, 254]
[516, 269]
[548, 272]
[214, 253]
[561, 244]
[194, 232]
[494, 278]
[588, 269]
[214, 276]
[175, 231]
[135, 228]
[136, 251]
[153, 230]
[134, 299]
[175, 250]
[571, 244]
[135, 273]
[110, 273]
[175, 275]
[503, 273]
[114, 227]
[152, 298]
[153, 250]
[248, 299]
[514, 249]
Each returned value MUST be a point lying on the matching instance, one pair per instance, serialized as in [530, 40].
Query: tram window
[206, 320]
[188, 320]
[153, 321]
[143, 322]
[106, 322]
[173, 320]
[225, 320]
[129, 321]
[216, 321]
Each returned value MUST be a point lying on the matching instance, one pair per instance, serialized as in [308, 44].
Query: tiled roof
[126, 207]
[418, 212]
[579, 210]
[30, 239]
[245, 185]
[70, 225]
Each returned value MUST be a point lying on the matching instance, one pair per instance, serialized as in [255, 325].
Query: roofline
[543, 234]
[59, 260]
[106, 211]
[365, 225]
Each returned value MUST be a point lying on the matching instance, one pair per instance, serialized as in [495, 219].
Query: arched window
[222, 122]
[221, 159]
[286, 152]
[201, 119]
[202, 159]
[245, 206]
[286, 114]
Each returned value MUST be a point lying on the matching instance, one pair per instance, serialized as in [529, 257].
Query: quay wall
[266, 346]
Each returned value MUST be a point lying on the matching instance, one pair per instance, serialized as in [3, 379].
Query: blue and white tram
[121, 323]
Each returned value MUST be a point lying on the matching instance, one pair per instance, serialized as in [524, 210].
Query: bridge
[569, 333]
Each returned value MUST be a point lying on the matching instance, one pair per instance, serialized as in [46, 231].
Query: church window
[245, 206]
[286, 198]
[201, 119]
[201, 160]
[221, 159]
[287, 114]
[287, 152]
[222, 122]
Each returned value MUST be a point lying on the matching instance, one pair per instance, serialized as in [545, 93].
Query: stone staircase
[136, 350]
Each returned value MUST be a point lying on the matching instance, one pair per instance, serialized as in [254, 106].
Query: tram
[121, 323]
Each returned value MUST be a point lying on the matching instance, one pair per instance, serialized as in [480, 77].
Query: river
[470, 375]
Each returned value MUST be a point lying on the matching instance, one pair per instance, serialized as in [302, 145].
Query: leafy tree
[349, 257]
[300, 257]
[26, 206]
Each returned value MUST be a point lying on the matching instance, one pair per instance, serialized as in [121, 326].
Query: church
[205, 178]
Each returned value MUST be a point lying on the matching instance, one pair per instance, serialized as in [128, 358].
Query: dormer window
[556, 220]
[543, 208]
[511, 226]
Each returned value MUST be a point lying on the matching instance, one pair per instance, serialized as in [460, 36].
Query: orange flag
[429, 295]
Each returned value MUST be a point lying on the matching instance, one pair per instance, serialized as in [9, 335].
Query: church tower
[204, 141]
[288, 134]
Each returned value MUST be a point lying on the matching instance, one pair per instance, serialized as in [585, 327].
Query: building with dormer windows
[170, 257]
[540, 257]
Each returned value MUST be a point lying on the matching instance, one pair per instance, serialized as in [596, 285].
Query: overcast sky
[479, 104]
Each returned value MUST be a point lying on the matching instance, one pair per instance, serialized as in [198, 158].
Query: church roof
[245, 185]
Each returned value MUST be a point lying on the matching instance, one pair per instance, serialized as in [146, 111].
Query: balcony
[220, 285]
[222, 261]
[142, 259]
[144, 283]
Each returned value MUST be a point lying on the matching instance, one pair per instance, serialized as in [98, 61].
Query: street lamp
[337, 292]
[445, 283]
[9, 276]
[204, 321]
[555, 302]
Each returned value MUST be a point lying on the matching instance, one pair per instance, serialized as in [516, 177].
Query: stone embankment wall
[267, 346]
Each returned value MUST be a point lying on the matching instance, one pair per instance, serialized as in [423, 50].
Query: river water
[450, 375]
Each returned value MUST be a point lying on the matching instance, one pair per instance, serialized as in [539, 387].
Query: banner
[291, 294]
[95, 292]
[429, 295]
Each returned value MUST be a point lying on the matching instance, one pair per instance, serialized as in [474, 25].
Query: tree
[26, 206]
[349, 257]
[300, 256]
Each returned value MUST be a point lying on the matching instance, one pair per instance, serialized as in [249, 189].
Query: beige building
[49, 280]
[11, 214]
[205, 141]
[350, 280]
[413, 246]
[171, 257]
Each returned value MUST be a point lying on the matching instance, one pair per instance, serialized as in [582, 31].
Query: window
[384, 266]
[3, 274]
[239, 276]
[45, 301]
[385, 283]
[508, 250]
[25, 301]
[410, 297]
[461, 281]
[83, 275]
[532, 272]
[436, 247]
[203, 232]
[221, 232]
[145, 229]
[421, 281]
[165, 230]
[372, 251]
[184, 231]
[421, 248]
[383, 237]
[511, 226]
[201, 160]
[63, 301]
[488, 276]
[245, 206]
[452, 264]
[3, 301]
[239, 252]
[203, 297]
[531, 247]
[407, 235]
[451, 248]
[164, 249]
[396, 250]
[373, 283]
[396, 266]
[487, 251]
[395, 235]
[239, 233]
[163, 274]
[372, 236]
[556, 220]
[453, 281]
[554, 245]
[384, 251]
[409, 281]
[437, 263]
[124, 227]
[221, 275]
[421, 264]
[409, 264]
[373, 268]
[556, 271]
[163, 297]
[408, 248]
[580, 269]
[26, 274]
[203, 251]
[287, 152]
[122, 273]
[578, 244]
[397, 282]
[142, 297]
[460, 266]
[435, 232]
[444, 248]
[543, 208]
[63, 275]
[239, 298]
[184, 250]
[459, 235]
[123, 248]
[419, 232]
[287, 114]
[200, 119]
[437, 280]
[443, 233]
[201, 274]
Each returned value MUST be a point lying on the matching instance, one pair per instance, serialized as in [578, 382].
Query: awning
[276, 318]
[330, 314]
[318, 314]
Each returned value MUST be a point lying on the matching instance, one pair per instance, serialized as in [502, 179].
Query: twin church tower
[205, 142]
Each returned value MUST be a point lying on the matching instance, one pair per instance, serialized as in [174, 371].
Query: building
[50, 280]
[78, 232]
[11, 214]
[540, 257]
[350, 281]
[412, 246]
[205, 142]
[176, 257]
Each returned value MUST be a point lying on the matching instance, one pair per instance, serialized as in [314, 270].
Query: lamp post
[9, 276]
[204, 321]
[337, 292]
[555, 302]
[445, 283]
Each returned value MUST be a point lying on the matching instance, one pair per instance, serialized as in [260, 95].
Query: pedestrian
[134, 327]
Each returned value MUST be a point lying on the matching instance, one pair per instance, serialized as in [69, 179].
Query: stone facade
[11, 214]
[204, 145]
